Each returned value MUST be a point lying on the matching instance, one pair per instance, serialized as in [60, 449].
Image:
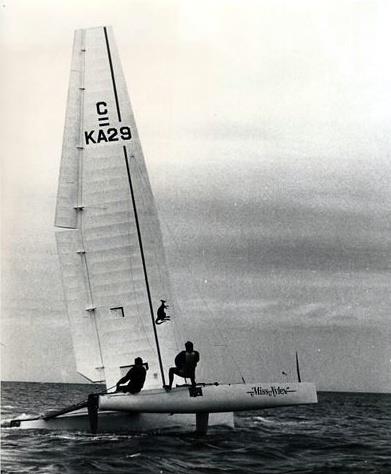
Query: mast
[135, 210]
[144, 266]
[298, 367]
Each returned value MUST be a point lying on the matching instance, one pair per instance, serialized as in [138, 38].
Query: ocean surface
[343, 433]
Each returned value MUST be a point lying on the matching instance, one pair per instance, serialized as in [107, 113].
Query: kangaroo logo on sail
[162, 317]
[106, 135]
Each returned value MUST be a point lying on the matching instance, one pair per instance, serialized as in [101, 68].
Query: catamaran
[114, 269]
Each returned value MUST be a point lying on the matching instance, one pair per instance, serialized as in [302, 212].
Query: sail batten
[104, 194]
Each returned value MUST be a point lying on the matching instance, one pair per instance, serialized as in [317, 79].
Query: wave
[344, 433]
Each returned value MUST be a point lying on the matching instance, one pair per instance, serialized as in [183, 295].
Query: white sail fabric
[114, 254]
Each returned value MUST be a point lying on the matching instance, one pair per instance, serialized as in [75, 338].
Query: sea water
[343, 433]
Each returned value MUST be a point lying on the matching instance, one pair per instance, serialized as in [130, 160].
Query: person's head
[138, 361]
[189, 346]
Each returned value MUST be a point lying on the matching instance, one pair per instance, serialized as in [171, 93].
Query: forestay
[111, 256]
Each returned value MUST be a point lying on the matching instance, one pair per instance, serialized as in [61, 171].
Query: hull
[183, 408]
[119, 422]
[212, 398]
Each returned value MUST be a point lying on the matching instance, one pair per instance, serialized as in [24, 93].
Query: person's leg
[133, 390]
[171, 373]
[174, 371]
[191, 376]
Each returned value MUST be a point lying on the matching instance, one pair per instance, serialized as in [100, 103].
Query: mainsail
[111, 255]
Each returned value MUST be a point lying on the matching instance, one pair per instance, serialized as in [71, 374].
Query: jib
[109, 135]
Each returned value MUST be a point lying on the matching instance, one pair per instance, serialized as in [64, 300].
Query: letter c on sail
[101, 108]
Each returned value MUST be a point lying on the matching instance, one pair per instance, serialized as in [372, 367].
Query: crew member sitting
[186, 363]
[136, 377]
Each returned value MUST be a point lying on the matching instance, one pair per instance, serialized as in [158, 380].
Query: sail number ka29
[103, 134]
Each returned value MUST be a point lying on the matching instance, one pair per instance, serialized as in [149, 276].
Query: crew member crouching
[186, 363]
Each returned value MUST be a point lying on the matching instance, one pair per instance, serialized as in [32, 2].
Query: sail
[111, 253]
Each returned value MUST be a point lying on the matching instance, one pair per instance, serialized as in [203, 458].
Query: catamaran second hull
[119, 422]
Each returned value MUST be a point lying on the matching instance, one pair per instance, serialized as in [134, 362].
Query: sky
[266, 131]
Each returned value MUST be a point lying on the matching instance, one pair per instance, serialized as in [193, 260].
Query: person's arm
[124, 379]
[180, 360]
